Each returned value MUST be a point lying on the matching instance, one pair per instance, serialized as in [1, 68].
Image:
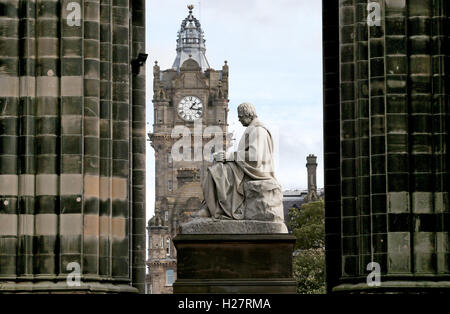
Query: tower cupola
[191, 43]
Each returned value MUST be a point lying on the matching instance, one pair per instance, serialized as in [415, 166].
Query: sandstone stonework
[159, 260]
[178, 190]
[215, 226]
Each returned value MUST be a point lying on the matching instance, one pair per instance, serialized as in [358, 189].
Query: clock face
[190, 108]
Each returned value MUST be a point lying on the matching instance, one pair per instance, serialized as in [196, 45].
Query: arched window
[169, 277]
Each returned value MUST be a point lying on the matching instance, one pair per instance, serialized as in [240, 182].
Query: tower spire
[191, 42]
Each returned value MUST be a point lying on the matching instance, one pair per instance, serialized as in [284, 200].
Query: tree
[309, 271]
[308, 225]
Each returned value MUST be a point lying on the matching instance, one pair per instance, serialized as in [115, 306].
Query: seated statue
[241, 185]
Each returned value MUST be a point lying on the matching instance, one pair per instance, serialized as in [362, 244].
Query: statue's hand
[219, 157]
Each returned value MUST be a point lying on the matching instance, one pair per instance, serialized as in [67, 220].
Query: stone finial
[220, 93]
[225, 68]
[156, 69]
[161, 92]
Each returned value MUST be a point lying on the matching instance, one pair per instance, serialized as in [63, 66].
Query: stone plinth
[212, 226]
[234, 263]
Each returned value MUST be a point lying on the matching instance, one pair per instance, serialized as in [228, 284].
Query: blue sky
[274, 51]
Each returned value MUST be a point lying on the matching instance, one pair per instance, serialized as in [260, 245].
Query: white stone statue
[241, 185]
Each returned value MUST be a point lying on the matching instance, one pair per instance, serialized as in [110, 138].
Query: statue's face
[245, 120]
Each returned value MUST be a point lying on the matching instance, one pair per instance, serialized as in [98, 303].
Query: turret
[191, 43]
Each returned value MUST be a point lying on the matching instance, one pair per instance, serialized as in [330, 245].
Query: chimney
[311, 165]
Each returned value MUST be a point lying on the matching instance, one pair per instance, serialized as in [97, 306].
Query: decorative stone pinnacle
[191, 40]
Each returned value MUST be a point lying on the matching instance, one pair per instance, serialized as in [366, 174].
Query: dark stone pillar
[72, 146]
[234, 263]
[387, 182]
[137, 147]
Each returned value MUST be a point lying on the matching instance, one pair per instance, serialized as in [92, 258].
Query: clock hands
[192, 107]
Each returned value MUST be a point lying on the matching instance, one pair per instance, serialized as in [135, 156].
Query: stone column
[72, 146]
[386, 183]
[138, 141]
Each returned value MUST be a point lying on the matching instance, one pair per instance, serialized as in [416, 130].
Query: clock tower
[193, 97]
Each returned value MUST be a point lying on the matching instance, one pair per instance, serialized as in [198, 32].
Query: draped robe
[223, 187]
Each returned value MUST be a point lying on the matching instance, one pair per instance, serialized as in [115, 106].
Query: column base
[399, 286]
[61, 287]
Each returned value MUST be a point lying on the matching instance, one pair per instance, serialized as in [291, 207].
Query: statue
[241, 185]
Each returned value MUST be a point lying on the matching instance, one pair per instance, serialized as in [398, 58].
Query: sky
[274, 53]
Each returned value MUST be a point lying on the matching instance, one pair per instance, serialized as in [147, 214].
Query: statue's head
[246, 113]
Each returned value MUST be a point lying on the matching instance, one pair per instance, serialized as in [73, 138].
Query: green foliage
[308, 225]
[309, 271]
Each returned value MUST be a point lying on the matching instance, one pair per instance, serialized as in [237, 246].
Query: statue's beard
[246, 121]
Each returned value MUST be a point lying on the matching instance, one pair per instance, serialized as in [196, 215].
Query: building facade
[72, 146]
[162, 266]
[190, 113]
[386, 133]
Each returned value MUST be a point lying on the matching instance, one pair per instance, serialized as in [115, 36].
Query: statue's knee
[263, 200]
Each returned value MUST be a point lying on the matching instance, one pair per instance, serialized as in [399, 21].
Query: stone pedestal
[234, 263]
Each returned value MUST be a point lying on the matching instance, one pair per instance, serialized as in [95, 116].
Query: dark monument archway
[386, 127]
